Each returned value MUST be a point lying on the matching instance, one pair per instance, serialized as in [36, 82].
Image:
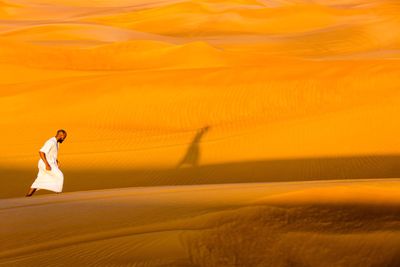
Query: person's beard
[60, 140]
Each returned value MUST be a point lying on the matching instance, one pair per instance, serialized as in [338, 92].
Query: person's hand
[48, 167]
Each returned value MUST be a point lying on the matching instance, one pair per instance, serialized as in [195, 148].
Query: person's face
[61, 137]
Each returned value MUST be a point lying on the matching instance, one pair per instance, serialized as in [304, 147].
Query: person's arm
[45, 150]
[43, 157]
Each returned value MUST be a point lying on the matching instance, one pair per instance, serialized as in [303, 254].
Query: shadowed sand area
[320, 223]
[303, 169]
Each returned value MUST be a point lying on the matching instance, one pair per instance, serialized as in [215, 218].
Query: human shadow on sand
[192, 156]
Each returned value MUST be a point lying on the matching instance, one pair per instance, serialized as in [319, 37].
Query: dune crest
[134, 81]
[174, 226]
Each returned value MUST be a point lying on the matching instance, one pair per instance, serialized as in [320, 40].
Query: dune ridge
[235, 224]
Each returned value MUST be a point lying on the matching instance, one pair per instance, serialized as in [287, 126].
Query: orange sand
[133, 81]
[180, 92]
[283, 224]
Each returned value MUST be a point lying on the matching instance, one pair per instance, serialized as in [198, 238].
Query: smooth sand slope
[331, 223]
[134, 81]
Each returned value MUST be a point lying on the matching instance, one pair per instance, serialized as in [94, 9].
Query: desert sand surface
[248, 133]
[184, 92]
[315, 223]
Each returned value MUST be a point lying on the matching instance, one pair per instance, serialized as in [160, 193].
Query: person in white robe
[49, 177]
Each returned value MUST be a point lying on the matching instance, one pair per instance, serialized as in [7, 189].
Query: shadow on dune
[16, 181]
[192, 155]
[310, 235]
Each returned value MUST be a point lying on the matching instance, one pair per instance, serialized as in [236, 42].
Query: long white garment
[52, 180]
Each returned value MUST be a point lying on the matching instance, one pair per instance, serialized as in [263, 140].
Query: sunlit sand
[181, 114]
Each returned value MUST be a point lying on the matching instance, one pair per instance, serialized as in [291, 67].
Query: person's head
[61, 135]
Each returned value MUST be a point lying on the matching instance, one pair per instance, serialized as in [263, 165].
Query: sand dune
[183, 110]
[129, 115]
[134, 94]
[281, 224]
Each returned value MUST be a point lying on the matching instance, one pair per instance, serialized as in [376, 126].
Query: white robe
[50, 180]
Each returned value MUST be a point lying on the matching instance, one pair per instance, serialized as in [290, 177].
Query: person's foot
[30, 193]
